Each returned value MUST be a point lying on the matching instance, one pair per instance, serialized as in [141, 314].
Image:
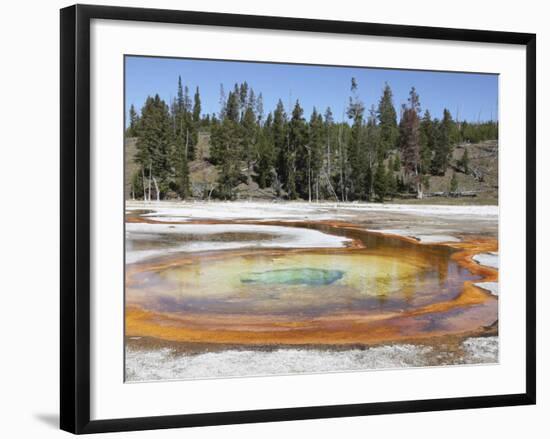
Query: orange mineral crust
[379, 288]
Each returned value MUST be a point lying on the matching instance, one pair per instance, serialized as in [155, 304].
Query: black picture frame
[75, 217]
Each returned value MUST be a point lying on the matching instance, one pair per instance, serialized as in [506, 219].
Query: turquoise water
[294, 276]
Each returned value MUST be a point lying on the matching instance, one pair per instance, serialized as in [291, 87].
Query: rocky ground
[436, 223]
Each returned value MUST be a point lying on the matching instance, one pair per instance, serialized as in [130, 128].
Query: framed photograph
[268, 219]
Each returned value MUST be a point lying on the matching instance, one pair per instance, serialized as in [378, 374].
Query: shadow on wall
[49, 419]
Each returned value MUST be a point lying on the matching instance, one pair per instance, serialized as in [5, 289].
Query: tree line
[368, 155]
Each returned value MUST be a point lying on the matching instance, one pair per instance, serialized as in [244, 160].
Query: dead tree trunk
[419, 192]
[210, 191]
[143, 180]
[156, 188]
[309, 173]
[329, 163]
[340, 153]
[329, 185]
[149, 180]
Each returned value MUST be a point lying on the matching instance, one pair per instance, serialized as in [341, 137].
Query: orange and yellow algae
[469, 312]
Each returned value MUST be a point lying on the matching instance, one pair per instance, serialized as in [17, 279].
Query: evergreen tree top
[414, 100]
[298, 112]
[386, 111]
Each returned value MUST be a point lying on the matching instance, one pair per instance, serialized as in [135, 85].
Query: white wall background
[29, 164]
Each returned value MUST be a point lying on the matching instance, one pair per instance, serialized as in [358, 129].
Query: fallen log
[470, 194]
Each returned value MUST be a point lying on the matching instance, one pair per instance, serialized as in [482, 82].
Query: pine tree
[226, 152]
[315, 153]
[264, 166]
[464, 162]
[397, 163]
[232, 111]
[222, 102]
[186, 100]
[184, 127]
[329, 124]
[401, 186]
[343, 135]
[380, 182]
[296, 153]
[260, 109]
[280, 140]
[237, 100]
[251, 101]
[392, 182]
[387, 121]
[197, 108]
[373, 155]
[329, 171]
[390, 164]
[427, 142]
[154, 145]
[478, 132]
[443, 149]
[414, 101]
[410, 141]
[453, 186]
[134, 121]
[180, 97]
[249, 133]
[243, 97]
[356, 157]
[181, 171]
[137, 185]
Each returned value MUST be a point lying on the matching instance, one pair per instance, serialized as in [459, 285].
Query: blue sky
[474, 96]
